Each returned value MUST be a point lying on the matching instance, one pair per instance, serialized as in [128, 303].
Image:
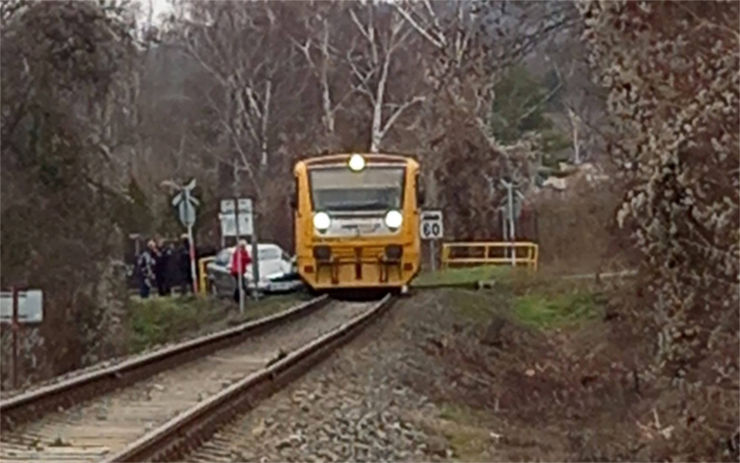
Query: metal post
[255, 256]
[504, 227]
[512, 230]
[433, 254]
[240, 275]
[193, 272]
[15, 337]
[512, 235]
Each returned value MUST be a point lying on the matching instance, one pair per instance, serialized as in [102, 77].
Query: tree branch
[399, 110]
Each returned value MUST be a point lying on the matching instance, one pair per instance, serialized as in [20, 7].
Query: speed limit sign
[430, 226]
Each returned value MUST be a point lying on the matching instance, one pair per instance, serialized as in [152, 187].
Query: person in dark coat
[145, 264]
[160, 269]
[183, 265]
[173, 270]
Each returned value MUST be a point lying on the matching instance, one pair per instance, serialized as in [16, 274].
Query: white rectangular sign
[30, 306]
[245, 205]
[227, 205]
[228, 217]
[228, 224]
[431, 225]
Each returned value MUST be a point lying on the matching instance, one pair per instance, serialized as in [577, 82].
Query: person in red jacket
[240, 260]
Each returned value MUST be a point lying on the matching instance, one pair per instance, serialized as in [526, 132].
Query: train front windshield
[372, 189]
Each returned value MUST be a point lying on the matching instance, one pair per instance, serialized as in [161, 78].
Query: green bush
[548, 310]
[164, 319]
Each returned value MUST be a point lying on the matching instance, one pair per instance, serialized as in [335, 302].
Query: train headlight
[356, 162]
[321, 221]
[393, 219]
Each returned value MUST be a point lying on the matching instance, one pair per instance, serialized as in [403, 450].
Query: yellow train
[357, 221]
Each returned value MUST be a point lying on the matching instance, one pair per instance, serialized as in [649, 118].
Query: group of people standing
[162, 266]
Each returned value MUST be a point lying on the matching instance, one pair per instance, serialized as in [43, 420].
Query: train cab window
[374, 188]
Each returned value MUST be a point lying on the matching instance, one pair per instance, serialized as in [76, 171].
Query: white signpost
[229, 214]
[431, 228]
[237, 219]
[20, 306]
[185, 204]
[511, 207]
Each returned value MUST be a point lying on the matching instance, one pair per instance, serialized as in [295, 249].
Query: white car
[277, 271]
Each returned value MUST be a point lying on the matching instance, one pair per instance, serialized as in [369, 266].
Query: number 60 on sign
[430, 226]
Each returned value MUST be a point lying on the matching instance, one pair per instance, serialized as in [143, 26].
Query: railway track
[133, 403]
[190, 429]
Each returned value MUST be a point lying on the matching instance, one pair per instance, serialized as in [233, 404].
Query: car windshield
[339, 189]
[224, 257]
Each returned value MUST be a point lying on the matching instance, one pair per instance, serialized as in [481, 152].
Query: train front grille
[366, 263]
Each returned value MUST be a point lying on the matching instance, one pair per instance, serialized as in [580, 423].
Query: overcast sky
[159, 9]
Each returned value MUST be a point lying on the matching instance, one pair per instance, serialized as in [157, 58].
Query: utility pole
[511, 235]
[255, 258]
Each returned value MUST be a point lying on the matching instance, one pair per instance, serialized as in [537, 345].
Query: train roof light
[356, 163]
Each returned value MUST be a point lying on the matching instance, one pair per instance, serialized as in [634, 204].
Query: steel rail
[186, 431]
[29, 405]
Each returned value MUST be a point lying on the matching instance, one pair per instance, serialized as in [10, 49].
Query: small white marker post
[431, 229]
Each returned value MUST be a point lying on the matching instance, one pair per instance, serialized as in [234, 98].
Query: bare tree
[370, 57]
[240, 46]
[324, 59]
[473, 43]
[580, 98]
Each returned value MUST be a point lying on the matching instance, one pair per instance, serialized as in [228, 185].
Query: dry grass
[169, 319]
[518, 385]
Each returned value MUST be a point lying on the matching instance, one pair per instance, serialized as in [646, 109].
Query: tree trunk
[377, 128]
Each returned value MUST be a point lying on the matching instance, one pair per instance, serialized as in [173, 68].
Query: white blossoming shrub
[672, 71]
